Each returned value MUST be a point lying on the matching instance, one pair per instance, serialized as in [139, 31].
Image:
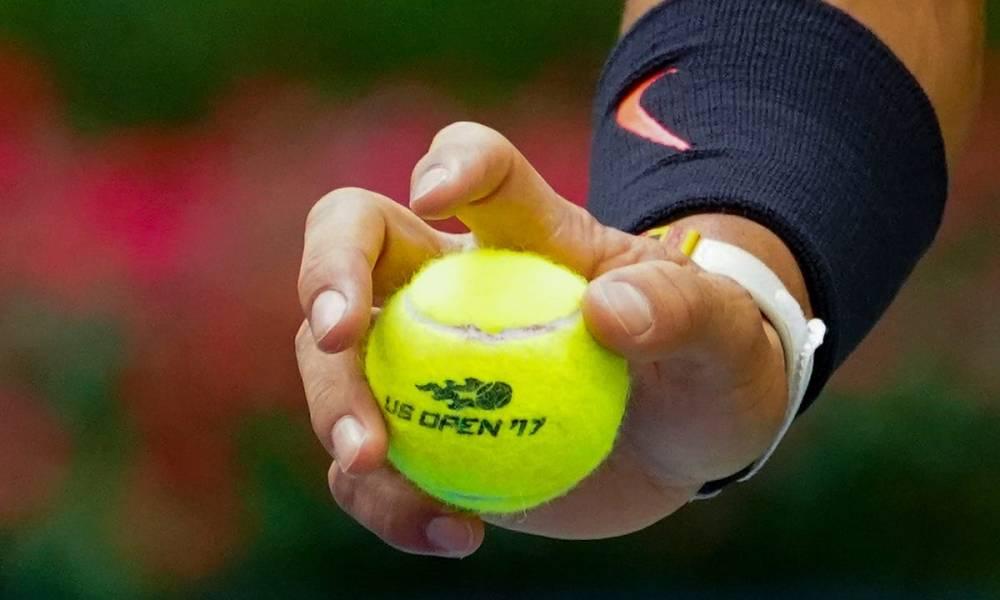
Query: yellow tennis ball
[496, 396]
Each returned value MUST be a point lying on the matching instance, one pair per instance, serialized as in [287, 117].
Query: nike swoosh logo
[631, 116]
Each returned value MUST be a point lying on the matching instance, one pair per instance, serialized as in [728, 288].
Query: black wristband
[794, 115]
[787, 112]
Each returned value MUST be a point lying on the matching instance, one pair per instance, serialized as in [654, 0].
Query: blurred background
[157, 160]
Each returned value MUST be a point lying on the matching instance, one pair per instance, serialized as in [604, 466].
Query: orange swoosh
[633, 117]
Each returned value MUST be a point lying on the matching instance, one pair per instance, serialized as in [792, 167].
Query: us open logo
[457, 397]
[486, 396]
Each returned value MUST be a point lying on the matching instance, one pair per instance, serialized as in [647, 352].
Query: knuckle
[483, 154]
[465, 130]
[322, 397]
[346, 196]
[475, 139]
[343, 488]
[322, 424]
[313, 273]
[614, 249]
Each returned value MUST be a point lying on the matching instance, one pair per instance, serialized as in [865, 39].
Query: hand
[709, 389]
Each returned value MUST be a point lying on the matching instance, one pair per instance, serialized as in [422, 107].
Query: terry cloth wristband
[787, 112]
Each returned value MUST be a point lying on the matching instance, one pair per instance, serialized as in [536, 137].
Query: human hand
[708, 380]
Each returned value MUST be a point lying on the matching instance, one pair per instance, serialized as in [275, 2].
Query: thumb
[708, 370]
[658, 309]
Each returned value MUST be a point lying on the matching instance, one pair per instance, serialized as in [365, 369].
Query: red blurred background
[147, 309]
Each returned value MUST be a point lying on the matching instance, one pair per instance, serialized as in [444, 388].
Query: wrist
[792, 335]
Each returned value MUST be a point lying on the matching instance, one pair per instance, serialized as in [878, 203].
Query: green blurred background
[157, 160]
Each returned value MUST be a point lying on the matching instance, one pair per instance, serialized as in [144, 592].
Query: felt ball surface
[495, 395]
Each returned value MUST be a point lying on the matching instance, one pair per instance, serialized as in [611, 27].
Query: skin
[709, 389]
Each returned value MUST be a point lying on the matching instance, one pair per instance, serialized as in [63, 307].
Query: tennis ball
[495, 395]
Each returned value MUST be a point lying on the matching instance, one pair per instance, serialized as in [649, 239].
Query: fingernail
[629, 306]
[428, 181]
[327, 310]
[453, 537]
[348, 436]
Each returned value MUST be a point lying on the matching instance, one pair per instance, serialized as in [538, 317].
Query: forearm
[941, 43]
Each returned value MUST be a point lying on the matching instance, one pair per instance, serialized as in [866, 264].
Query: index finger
[476, 174]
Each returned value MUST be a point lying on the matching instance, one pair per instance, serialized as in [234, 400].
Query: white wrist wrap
[799, 338]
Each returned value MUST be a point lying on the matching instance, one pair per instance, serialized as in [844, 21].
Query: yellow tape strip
[690, 242]
[658, 233]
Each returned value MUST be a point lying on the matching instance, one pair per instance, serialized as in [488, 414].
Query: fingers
[653, 310]
[344, 415]
[349, 424]
[359, 246]
[403, 516]
[476, 174]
